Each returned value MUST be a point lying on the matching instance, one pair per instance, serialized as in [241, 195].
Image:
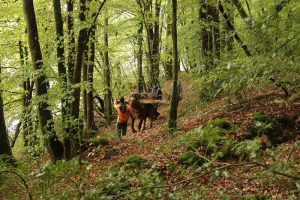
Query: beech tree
[168, 63]
[60, 52]
[174, 96]
[107, 75]
[75, 134]
[54, 146]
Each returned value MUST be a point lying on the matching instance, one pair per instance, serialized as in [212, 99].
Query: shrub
[122, 183]
[212, 138]
[249, 148]
[262, 117]
[263, 124]
[103, 141]
[190, 158]
[136, 161]
[295, 97]
[222, 124]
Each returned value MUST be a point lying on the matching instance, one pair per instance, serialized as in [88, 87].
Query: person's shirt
[156, 91]
[122, 116]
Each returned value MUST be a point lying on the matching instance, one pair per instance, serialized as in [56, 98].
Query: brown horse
[141, 111]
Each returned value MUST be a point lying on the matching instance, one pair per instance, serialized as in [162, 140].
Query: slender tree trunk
[148, 17]
[173, 104]
[25, 108]
[227, 38]
[54, 147]
[75, 136]
[71, 39]
[205, 35]
[240, 8]
[90, 124]
[28, 119]
[209, 15]
[168, 65]
[216, 32]
[140, 57]
[28, 89]
[71, 54]
[155, 45]
[84, 92]
[60, 52]
[4, 142]
[231, 27]
[108, 94]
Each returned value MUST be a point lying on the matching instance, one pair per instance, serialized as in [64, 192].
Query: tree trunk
[227, 38]
[84, 92]
[108, 94]
[231, 27]
[60, 51]
[210, 34]
[155, 45]
[28, 89]
[75, 134]
[173, 104]
[71, 39]
[140, 57]
[4, 142]
[205, 36]
[240, 8]
[90, 124]
[53, 145]
[216, 33]
[168, 65]
[150, 34]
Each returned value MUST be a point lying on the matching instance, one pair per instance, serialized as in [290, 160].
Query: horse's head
[134, 98]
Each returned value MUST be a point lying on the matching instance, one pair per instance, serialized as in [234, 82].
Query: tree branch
[94, 22]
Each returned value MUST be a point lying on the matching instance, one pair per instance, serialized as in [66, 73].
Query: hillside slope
[234, 179]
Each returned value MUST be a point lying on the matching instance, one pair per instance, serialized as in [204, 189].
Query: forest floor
[158, 146]
[248, 178]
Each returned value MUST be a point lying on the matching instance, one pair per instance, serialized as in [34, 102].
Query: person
[123, 111]
[156, 91]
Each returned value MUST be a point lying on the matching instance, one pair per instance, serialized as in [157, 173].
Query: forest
[150, 99]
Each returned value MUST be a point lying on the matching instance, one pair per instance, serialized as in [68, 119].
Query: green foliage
[103, 141]
[190, 158]
[136, 161]
[295, 97]
[276, 130]
[120, 182]
[262, 117]
[52, 178]
[222, 125]
[213, 138]
[250, 148]
[264, 125]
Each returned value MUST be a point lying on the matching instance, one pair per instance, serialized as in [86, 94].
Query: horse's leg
[132, 125]
[144, 124]
[150, 122]
[140, 124]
